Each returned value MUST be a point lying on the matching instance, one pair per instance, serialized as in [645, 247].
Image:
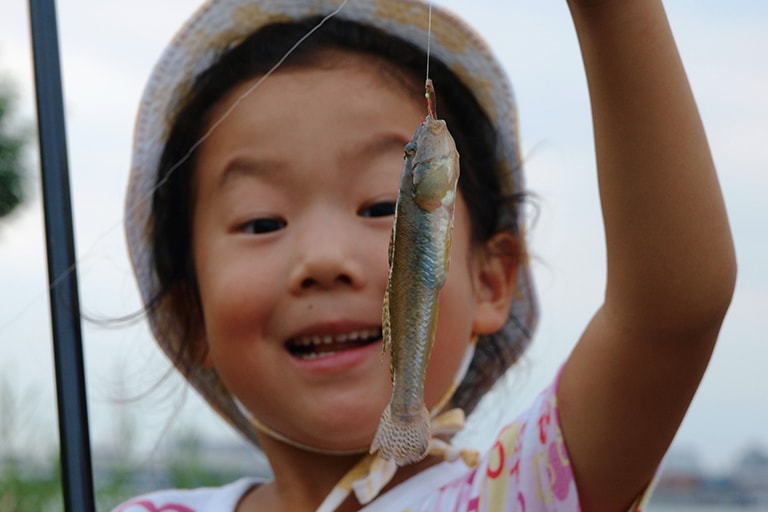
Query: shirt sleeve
[529, 469]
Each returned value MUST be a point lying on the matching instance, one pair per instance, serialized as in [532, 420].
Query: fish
[419, 258]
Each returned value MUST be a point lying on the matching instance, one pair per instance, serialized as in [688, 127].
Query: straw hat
[217, 26]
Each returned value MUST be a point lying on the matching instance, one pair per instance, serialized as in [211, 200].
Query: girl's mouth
[324, 345]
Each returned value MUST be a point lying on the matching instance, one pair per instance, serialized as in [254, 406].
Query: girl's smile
[314, 346]
[294, 202]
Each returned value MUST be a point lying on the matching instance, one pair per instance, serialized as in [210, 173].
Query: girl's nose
[329, 256]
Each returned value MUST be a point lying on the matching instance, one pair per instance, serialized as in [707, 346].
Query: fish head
[434, 161]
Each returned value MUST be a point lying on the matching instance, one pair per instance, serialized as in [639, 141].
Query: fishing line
[429, 93]
[429, 38]
[182, 160]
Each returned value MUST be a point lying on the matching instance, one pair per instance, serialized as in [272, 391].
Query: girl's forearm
[670, 254]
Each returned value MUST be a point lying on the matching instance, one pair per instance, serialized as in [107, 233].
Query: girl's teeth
[317, 346]
[328, 339]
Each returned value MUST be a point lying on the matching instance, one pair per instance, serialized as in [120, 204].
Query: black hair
[490, 211]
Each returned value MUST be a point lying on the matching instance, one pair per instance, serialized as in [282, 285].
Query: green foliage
[30, 470]
[24, 489]
[187, 467]
[27, 486]
[11, 146]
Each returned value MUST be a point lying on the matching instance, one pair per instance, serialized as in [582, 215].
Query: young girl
[266, 166]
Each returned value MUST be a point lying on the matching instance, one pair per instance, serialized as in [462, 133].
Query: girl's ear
[495, 282]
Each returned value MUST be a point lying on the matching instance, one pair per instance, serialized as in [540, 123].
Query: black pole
[77, 478]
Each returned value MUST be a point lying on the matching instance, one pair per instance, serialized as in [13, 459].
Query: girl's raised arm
[671, 265]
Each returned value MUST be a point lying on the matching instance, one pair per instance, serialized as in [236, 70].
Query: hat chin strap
[369, 476]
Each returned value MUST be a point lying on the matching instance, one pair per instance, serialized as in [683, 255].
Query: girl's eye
[264, 225]
[382, 209]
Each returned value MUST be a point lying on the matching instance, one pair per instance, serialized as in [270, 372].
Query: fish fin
[403, 438]
[386, 328]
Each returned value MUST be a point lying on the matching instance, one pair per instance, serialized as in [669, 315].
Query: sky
[107, 52]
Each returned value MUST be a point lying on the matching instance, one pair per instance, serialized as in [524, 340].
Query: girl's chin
[344, 431]
[334, 444]
[344, 437]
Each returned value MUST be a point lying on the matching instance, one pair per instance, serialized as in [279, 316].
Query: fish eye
[410, 149]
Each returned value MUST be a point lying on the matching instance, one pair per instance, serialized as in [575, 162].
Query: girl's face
[294, 199]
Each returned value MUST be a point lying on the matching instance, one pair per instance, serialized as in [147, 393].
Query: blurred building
[751, 474]
[682, 480]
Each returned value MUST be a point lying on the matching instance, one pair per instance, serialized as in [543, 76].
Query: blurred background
[149, 431]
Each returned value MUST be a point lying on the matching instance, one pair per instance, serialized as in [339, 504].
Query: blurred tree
[11, 145]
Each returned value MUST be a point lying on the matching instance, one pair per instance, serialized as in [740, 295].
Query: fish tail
[404, 438]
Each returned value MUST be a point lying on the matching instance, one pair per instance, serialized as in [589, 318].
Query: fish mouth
[315, 346]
